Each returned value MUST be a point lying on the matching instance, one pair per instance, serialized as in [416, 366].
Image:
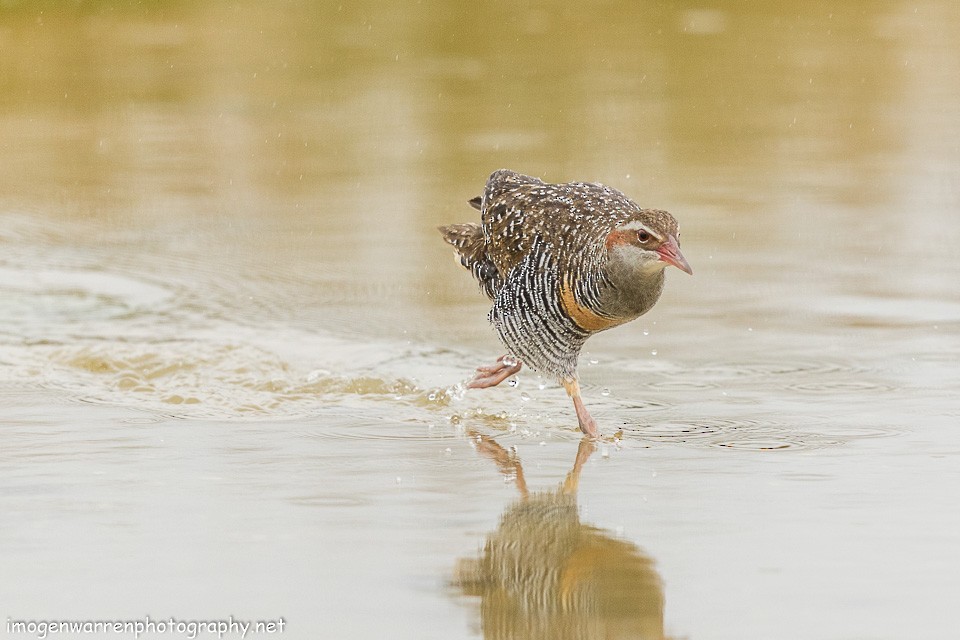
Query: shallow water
[232, 344]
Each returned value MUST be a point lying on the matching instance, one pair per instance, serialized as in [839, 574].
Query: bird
[561, 262]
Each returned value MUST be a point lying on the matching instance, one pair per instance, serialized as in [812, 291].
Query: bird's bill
[670, 253]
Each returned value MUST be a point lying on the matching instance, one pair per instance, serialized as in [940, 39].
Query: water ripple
[383, 431]
[776, 368]
[851, 386]
[733, 433]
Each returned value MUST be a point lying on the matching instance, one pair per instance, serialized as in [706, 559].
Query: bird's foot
[492, 375]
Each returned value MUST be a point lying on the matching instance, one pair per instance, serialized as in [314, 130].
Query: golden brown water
[231, 338]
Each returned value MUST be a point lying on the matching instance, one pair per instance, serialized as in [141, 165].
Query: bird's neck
[630, 293]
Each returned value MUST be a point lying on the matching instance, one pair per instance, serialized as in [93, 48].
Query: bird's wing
[573, 219]
[510, 216]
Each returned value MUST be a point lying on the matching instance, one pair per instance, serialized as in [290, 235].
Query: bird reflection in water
[545, 574]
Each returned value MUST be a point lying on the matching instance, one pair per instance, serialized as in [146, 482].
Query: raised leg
[493, 375]
[587, 424]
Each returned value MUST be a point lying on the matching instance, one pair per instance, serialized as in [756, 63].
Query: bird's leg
[491, 376]
[587, 424]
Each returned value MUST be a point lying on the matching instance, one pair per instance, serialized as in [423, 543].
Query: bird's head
[647, 243]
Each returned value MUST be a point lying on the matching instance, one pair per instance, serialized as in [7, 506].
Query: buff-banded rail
[561, 262]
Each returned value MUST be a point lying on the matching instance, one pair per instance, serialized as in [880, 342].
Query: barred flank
[527, 316]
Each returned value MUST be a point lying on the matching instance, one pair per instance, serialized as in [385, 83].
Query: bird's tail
[467, 240]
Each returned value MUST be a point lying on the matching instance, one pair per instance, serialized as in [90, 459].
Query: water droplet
[509, 360]
[399, 479]
[646, 332]
[541, 384]
[604, 451]
[605, 391]
[593, 361]
[542, 443]
[525, 396]
[448, 450]
[513, 382]
[653, 352]
[432, 397]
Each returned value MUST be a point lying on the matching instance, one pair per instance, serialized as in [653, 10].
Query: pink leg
[587, 424]
[491, 376]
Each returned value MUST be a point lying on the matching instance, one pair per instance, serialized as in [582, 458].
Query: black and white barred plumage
[530, 321]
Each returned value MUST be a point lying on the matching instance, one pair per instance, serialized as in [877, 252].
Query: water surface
[232, 342]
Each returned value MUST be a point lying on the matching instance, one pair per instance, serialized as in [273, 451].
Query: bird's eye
[643, 235]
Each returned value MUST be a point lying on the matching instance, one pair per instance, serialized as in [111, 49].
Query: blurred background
[223, 300]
